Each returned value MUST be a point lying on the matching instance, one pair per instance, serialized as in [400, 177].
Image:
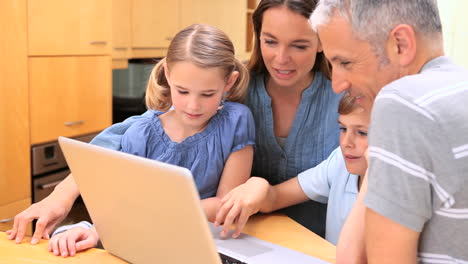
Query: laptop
[147, 211]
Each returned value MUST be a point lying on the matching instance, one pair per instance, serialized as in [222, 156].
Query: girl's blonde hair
[206, 47]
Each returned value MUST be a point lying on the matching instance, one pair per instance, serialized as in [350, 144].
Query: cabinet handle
[74, 123]
[49, 185]
[118, 48]
[98, 42]
[6, 220]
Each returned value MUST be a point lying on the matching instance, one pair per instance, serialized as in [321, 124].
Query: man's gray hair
[372, 20]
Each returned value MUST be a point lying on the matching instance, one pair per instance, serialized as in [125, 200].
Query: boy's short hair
[347, 104]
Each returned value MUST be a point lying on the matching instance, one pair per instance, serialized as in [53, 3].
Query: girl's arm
[236, 171]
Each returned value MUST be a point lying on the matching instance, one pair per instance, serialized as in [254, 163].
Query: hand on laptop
[49, 213]
[73, 240]
[242, 202]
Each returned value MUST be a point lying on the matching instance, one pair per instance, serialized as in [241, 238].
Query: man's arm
[351, 246]
[389, 242]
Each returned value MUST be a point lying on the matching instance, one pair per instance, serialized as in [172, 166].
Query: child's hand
[240, 203]
[72, 241]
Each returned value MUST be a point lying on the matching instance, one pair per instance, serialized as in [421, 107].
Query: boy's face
[353, 140]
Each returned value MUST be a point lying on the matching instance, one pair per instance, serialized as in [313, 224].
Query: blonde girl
[196, 121]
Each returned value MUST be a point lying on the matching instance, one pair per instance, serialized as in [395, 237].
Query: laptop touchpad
[243, 245]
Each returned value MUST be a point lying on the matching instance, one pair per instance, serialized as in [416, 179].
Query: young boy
[335, 181]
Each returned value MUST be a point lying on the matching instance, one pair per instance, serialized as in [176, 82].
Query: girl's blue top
[204, 153]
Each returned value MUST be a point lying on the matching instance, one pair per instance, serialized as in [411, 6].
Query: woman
[292, 102]
[291, 99]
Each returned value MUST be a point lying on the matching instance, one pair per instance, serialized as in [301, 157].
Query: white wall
[454, 16]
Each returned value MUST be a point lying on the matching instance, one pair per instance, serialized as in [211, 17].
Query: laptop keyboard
[229, 260]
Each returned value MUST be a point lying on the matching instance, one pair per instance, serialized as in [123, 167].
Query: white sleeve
[316, 182]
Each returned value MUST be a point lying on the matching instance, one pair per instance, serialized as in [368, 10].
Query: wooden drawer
[69, 96]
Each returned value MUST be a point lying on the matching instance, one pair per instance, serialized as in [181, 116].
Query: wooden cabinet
[15, 177]
[46, 90]
[227, 15]
[70, 87]
[121, 32]
[154, 24]
[250, 34]
[58, 27]
[69, 96]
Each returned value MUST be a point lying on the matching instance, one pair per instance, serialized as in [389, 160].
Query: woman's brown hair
[302, 7]
[206, 47]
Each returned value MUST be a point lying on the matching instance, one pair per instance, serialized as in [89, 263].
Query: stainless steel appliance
[49, 168]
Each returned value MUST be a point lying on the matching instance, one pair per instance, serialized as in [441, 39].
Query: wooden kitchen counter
[275, 228]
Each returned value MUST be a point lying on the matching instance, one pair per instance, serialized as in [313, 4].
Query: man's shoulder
[437, 77]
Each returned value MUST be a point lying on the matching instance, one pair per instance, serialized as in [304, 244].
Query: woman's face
[289, 47]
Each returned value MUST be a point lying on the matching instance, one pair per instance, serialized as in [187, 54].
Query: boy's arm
[283, 195]
[257, 195]
[254, 196]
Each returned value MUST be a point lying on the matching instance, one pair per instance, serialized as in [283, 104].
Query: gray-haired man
[389, 55]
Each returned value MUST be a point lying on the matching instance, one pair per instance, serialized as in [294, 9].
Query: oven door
[44, 185]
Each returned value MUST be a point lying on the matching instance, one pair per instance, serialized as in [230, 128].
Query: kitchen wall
[455, 29]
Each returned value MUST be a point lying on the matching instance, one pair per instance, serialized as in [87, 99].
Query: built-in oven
[49, 168]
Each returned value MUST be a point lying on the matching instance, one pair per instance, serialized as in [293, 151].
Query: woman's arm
[49, 212]
[54, 208]
[236, 172]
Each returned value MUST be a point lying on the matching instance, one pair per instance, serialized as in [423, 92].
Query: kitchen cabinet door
[15, 174]
[58, 27]
[121, 28]
[154, 23]
[227, 15]
[69, 96]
